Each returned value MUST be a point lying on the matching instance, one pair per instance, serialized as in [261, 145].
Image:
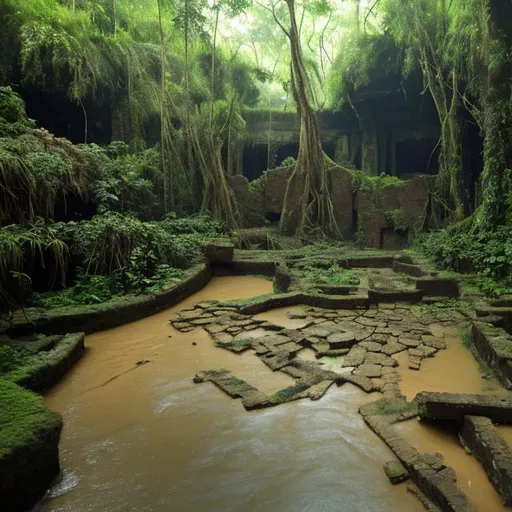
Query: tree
[307, 205]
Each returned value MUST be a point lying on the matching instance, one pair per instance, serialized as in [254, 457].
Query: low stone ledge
[376, 261]
[240, 267]
[219, 251]
[408, 268]
[277, 300]
[337, 290]
[494, 347]
[495, 455]
[451, 406]
[29, 447]
[89, 319]
[439, 287]
[49, 367]
[377, 296]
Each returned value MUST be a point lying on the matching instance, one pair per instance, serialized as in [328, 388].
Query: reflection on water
[145, 438]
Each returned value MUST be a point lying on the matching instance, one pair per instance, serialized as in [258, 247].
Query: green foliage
[397, 220]
[124, 181]
[360, 239]
[289, 160]
[35, 169]
[488, 254]
[10, 358]
[325, 272]
[363, 181]
[13, 118]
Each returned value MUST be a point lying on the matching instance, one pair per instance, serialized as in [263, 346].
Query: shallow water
[453, 370]
[146, 438]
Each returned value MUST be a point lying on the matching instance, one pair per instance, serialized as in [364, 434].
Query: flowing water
[145, 438]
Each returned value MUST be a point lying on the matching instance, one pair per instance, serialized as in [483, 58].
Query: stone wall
[375, 210]
[370, 212]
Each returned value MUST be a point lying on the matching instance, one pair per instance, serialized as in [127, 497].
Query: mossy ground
[23, 417]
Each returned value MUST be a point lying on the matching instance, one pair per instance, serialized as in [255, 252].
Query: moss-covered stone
[29, 441]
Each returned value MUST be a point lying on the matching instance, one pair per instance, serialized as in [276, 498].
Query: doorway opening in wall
[255, 161]
[273, 217]
[416, 156]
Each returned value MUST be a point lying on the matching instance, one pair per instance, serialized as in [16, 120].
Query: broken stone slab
[317, 391]
[276, 360]
[355, 357]
[454, 406]
[371, 346]
[379, 296]
[369, 370]
[219, 252]
[361, 381]
[222, 338]
[341, 340]
[382, 359]
[395, 472]
[340, 352]
[408, 342]
[317, 332]
[492, 451]
[434, 342]
[370, 322]
[224, 380]
[392, 347]
[409, 269]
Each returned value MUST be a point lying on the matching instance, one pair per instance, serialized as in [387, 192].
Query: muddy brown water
[452, 370]
[147, 439]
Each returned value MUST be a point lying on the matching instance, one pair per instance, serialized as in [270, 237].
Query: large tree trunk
[307, 205]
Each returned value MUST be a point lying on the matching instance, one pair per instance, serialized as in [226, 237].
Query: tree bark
[307, 205]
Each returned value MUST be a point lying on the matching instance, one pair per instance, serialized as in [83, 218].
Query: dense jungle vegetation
[93, 221]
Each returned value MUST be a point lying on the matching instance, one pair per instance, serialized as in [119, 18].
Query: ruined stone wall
[373, 212]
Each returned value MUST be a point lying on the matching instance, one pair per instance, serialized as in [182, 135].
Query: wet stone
[373, 358]
[434, 342]
[392, 348]
[395, 472]
[341, 339]
[317, 332]
[355, 357]
[369, 370]
[371, 346]
[409, 342]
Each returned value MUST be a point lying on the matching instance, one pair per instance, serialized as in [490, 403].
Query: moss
[241, 343]
[287, 393]
[387, 408]
[23, 418]
[464, 336]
